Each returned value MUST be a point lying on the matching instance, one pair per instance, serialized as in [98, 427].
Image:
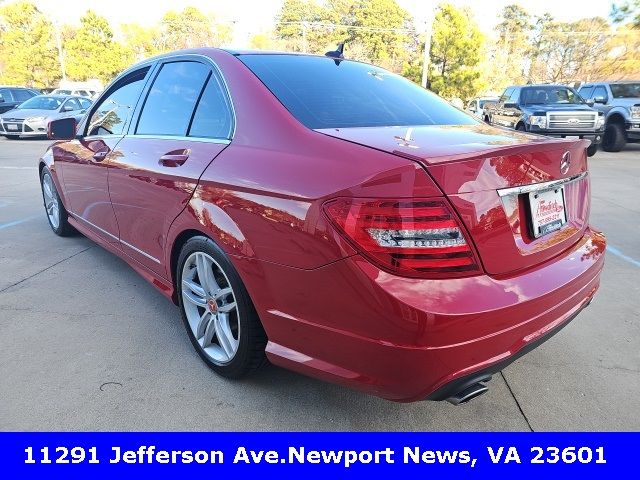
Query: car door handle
[175, 158]
[101, 155]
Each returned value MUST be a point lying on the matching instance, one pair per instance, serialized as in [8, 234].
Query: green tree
[299, 25]
[144, 42]
[627, 11]
[28, 54]
[191, 28]
[378, 31]
[384, 29]
[456, 44]
[93, 53]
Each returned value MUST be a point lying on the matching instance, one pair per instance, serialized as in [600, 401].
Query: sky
[255, 16]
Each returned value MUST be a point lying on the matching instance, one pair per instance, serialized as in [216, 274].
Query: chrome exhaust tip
[468, 394]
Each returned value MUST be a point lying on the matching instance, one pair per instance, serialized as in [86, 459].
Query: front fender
[47, 160]
[621, 111]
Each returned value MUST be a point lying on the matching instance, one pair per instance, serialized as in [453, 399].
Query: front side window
[71, 105]
[22, 95]
[321, 92]
[114, 111]
[515, 94]
[84, 103]
[505, 96]
[212, 118]
[5, 95]
[172, 99]
[585, 92]
[600, 92]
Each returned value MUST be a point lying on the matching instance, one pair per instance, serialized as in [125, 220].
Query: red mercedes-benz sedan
[331, 217]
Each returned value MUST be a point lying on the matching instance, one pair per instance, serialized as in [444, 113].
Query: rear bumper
[409, 339]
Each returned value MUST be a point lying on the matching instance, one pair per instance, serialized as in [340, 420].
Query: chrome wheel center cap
[212, 305]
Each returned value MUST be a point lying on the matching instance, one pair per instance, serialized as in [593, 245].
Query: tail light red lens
[415, 238]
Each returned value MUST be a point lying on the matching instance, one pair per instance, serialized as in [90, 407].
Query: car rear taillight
[415, 238]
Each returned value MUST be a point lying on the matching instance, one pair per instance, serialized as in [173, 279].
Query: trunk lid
[480, 169]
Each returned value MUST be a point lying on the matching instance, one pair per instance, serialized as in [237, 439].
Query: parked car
[552, 110]
[620, 103]
[331, 217]
[476, 106]
[11, 97]
[76, 92]
[30, 118]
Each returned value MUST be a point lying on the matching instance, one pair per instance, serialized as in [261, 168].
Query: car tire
[591, 150]
[521, 128]
[614, 138]
[217, 312]
[56, 213]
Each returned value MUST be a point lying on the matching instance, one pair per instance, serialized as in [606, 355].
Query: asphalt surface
[87, 344]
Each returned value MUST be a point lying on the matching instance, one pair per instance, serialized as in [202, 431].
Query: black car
[552, 110]
[11, 97]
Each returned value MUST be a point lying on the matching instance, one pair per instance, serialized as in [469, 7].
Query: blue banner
[325, 455]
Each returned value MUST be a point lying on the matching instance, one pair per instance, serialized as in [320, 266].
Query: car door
[498, 116]
[511, 111]
[184, 122]
[6, 100]
[601, 97]
[84, 161]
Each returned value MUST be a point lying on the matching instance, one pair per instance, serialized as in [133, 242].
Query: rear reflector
[415, 238]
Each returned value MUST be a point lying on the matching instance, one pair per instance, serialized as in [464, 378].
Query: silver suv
[620, 102]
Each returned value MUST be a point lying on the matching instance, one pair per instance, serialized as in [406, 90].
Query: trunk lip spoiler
[534, 187]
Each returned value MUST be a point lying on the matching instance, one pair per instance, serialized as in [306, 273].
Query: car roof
[616, 82]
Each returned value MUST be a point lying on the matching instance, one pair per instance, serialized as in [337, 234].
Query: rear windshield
[323, 93]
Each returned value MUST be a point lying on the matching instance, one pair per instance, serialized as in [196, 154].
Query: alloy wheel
[51, 200]
[210, 307]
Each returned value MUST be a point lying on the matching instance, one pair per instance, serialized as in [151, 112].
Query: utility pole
[304, 37]
[56, 27]
[427, 47]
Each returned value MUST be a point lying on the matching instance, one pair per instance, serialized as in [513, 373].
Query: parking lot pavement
[87, 344]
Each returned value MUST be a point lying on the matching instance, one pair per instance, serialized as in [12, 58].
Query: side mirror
[67, 108]
[510, 105]
[590, 102]
[599, 99]
[62, 129]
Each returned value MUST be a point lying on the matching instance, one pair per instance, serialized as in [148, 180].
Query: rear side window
[323, 93]
[212, 117]
[172, 98]
[114, 111]
[5, 95]
[21, 95]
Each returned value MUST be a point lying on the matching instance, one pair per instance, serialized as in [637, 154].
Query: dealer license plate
[548, 212]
